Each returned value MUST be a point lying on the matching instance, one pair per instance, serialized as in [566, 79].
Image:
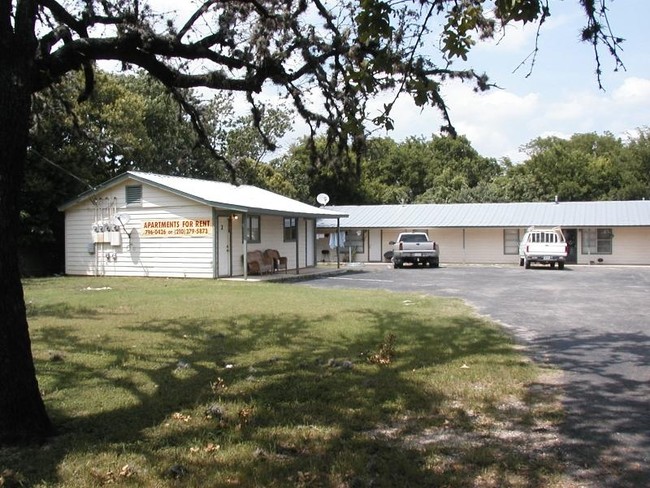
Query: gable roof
[243, 198]
[467, 215]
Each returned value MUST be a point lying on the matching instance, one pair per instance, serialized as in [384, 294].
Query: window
[133, 195]
[355, 240]
[511, 241]
[290, 229]
[597, 241]
[414, 237]
[253, 228]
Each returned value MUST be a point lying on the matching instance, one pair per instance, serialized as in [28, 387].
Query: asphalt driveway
[592, 322]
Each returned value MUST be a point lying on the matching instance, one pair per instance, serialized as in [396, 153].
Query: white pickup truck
[544, 245]
[415, 248]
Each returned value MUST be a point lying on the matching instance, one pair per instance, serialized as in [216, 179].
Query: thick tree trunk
[22, 412]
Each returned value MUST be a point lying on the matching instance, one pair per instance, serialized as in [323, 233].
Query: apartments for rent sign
[177, 228]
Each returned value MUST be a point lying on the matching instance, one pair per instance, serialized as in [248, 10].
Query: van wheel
[526, 264]
[560, 265]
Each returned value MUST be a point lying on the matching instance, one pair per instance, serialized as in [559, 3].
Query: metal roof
[467, 215]
[243, 198]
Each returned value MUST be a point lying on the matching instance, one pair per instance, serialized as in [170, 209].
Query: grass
[199, 383]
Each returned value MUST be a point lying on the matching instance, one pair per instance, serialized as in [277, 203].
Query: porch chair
[259, 263]
[278, 261]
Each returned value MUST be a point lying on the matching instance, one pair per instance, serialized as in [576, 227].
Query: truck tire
[560, 265]
[397, 264]
[526, 263]
[521, 261]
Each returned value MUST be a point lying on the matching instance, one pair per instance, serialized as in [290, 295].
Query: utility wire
[58, 166]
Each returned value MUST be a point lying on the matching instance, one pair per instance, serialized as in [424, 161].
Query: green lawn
[204, 383]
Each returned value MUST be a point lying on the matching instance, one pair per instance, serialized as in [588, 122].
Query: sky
[559, 97]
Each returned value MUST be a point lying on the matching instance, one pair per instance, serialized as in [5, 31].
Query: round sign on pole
[323, 198]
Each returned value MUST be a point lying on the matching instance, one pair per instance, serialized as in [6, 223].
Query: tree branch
[200, 130]
[193, 18]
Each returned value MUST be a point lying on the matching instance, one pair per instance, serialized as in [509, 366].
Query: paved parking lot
[593, 322]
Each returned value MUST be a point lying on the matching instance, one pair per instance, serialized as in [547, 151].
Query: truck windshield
[414, 238]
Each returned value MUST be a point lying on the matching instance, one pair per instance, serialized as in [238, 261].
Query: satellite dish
[323, 198]
[123, 218]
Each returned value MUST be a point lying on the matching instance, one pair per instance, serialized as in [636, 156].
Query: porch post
[338, 244]
[297, 245]
[245, 243]
[215, 244]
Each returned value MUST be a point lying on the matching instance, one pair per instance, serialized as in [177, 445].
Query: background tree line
[131, 122]
[442, 169]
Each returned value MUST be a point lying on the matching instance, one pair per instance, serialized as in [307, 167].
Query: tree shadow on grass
[61, 310]
[289, 408]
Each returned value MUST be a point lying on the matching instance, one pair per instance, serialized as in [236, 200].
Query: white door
[374, 246]
[223, 231]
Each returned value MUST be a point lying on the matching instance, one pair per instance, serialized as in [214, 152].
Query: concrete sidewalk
[322, 270]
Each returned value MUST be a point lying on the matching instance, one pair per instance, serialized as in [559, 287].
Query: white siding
[451, 245]
[630, 245]
[175, 254]
[485, 246]
[138, 255]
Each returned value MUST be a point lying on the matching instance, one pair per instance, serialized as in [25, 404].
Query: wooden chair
[278, 261]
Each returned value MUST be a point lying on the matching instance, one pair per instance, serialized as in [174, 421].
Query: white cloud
[493, 105]
[492, 120]
[499, 122]
[633, 91]
[512, 38]
[574, 108]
